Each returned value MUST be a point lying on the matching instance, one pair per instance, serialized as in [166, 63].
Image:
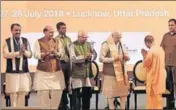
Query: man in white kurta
[16, 51]
[113, 55]
[48, 80]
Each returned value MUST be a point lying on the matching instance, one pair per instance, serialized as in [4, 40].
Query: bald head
[116, 35]
[82, 33]
[149, 41]
[46, 28]
[48, 31]
[82, 36]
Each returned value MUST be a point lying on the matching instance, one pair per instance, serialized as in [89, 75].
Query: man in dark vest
[81, 53]
[65, 62]
[16, 51]
[49, 78]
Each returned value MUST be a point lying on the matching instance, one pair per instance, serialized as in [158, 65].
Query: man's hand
[22, 49]
[43, 54]
[126, 58]
[143, 52]
[92, 82]
[53, 53]
[116, 59]
[87, 56]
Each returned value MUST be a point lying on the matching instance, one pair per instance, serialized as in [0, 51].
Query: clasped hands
[50, 53]
[144, 52]
[22, 49]
[88, 56]
[126, 58]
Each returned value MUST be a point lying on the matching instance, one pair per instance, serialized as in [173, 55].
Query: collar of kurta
[82, 48]
[64, 39]
[117, 64]
[172, 33]
[48, 44]
[62, 36]
[44, 39]
[52, 40]
[79, 43]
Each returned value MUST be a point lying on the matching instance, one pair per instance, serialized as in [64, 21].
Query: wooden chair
[97, 88]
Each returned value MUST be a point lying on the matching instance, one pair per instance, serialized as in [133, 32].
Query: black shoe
[67, 108]
[63, 108]
[169, 108]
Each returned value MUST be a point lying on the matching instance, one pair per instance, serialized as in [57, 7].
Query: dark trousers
[64, 99]
[170, 101]
[81, 99]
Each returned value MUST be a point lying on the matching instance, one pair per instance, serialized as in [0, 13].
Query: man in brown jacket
[49, 78]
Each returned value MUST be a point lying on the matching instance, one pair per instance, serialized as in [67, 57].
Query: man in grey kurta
[81, 53]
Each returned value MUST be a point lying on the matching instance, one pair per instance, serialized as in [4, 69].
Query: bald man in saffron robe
[155, 71]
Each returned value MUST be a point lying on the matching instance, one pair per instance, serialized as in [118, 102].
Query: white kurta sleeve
[74, 58]
[9, 55]
[60, 51]
[37, 52]
[28, 52]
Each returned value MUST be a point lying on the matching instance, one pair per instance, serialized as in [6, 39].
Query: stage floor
[102, 101]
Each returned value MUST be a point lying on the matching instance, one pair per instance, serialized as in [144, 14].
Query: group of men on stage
[63, 68]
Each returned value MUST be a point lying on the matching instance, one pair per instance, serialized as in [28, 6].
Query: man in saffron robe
[154, 65]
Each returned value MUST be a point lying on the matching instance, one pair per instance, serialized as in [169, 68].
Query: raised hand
[44, 54]
[22, 49]
[126, 58]
[143, 52]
